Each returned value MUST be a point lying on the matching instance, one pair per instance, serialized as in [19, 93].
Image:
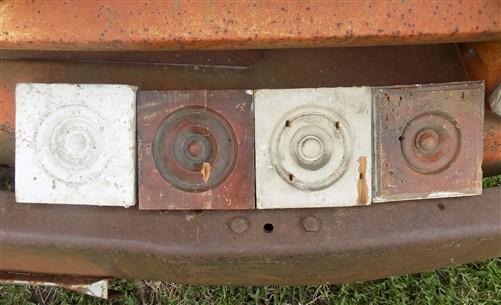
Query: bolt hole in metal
[268, 228]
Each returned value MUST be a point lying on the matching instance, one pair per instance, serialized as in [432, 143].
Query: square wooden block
[313, 147]
[196, 150]
[428, 141]
[75, 144]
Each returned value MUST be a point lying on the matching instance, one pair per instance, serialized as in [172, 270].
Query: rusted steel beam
[148, 25]
[290, 246]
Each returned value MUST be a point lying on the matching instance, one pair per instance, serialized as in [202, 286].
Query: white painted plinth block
[75, 144]
[313, 147]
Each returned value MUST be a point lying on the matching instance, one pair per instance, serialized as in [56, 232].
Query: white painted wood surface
[75, 144]
[313, 147]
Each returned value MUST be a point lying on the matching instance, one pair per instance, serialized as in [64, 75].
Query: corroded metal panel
[428, 141]
[75, 144]
[313, 147]
[196, 150]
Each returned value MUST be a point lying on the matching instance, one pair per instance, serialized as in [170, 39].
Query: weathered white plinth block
[75, 144]
[313, 147]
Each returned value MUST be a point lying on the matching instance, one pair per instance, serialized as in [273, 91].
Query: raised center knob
[76, 143]
[194, 148]
[310, 148]
[427, 141]
[197, 148]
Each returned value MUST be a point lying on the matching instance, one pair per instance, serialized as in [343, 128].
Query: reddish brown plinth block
[428, 141]
[196, 150]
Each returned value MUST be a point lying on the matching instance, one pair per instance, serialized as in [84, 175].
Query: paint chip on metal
[313, 147]
[75, 144]
[428, 141]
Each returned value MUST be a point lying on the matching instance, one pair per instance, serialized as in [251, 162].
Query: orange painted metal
[482, 60]
[163, 25]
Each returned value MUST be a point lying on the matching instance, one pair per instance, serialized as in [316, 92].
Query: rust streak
[362, 189]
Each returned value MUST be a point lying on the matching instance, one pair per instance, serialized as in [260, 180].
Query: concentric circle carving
[311, 147]
[70, 144]
[195, 149]
[430, 142]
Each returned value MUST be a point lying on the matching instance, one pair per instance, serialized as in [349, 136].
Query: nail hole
[291, 177]
[268, 228]
[401, 138]
[287, 123]
[338, 125]
[361, 176]
[400, 98]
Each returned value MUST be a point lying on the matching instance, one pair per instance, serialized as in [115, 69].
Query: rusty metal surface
[483, 62]
[291, 246]
[329, 67]
[238, 59]
[95, 287]
[428, 140]
[147, 25]
[196, 150]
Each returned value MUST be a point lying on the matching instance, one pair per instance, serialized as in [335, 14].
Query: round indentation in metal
[192, 149]
[430, 142]
[70, 144]
[313, 149]
[195, 149]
